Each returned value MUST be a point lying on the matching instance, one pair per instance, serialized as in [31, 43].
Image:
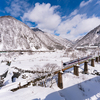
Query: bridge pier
[76, 72]
[92, 62]
[86, 67]
[97, 59]
[60, 82]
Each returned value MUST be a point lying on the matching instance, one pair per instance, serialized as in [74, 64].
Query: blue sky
[67, 18]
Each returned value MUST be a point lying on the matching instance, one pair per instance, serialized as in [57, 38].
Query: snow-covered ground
[82, 87]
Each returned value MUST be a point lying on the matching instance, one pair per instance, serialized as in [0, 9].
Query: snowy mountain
[90, 39]
[51, 40]
[15, 35]
[76, 40]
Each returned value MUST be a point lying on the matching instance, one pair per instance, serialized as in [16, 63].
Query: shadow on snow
[87, 90]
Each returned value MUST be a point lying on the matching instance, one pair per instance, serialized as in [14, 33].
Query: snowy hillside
[78, 39]
[92, 38]
[50, 39]
[15, 35]
[82, 87]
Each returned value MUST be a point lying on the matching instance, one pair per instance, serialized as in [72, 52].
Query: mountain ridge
[91, 38]
[15, 35]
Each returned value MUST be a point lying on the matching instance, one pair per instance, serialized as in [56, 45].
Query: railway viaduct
[76, 66]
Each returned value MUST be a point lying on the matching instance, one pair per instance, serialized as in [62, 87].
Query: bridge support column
[99, 58]
[60, 82]
[92, 62]
[96, 59]
[76, 72]
[86, 67]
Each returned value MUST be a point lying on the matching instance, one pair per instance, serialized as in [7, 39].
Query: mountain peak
[36, 29]
[6, 16]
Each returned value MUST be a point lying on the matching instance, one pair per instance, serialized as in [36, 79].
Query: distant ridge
[90, 39]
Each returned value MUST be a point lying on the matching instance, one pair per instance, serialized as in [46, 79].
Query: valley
[29, 58]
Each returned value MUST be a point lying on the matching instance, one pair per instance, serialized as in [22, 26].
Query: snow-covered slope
[76, 40]
[52, 40]
[92, 38]
[82, 87]
[15, 35]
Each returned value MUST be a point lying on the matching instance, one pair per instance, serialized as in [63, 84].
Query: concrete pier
[97, 59]
[76, 72]
[92, 62]
[60, 82]
[86, 67]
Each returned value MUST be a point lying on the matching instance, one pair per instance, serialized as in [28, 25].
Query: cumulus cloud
[44, 15]
[78, 25]
[83, 3]
[47, 18]
[17, 7]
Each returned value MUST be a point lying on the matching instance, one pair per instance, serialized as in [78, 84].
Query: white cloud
[98, 2]
[17, 7]
[44, 16]
[2, 11]
[74, 12]
[48, 19]
[83, 3]
[79, 24]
